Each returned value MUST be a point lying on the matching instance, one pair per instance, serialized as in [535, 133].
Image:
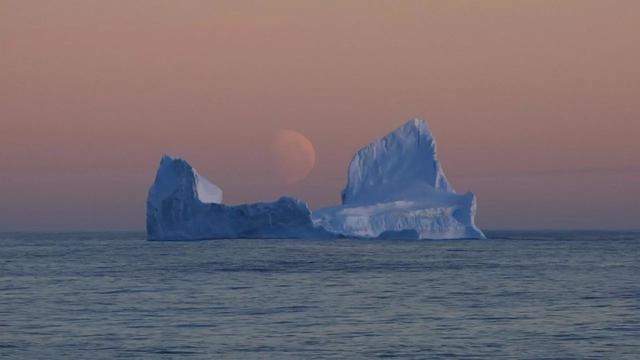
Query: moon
[293, 155]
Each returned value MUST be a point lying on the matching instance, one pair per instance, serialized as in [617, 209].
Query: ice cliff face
[183, 205]
[389, 165]
[396, 188]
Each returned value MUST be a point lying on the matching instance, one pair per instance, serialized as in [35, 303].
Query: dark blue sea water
[533, 295]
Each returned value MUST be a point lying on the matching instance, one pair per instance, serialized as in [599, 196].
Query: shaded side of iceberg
[396, 188]
[183, 205]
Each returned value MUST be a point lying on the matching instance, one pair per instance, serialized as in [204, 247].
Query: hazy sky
[535, 104]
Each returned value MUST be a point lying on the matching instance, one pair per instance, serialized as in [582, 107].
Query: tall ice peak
[403, 158]
[175, 176]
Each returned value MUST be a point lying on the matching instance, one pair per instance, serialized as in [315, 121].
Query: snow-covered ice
[396, 189]
[396, 185]
[183, 205]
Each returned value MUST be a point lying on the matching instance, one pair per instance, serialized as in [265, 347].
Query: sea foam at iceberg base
[396, 189]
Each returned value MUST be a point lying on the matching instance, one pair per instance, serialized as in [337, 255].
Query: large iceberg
[396, 188]
[183, 205]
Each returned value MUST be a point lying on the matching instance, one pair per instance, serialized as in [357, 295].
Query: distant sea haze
[553, 172]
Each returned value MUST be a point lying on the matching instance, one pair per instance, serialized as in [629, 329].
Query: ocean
[518, 295]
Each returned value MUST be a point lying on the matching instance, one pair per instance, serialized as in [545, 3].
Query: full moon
[293, 155]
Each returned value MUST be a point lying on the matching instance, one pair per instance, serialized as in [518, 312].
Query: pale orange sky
[534, 103]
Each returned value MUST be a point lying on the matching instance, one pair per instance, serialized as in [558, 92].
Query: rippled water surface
[527, 295]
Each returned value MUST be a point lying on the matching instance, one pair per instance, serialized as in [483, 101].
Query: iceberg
[183, 205]
[396, 188]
